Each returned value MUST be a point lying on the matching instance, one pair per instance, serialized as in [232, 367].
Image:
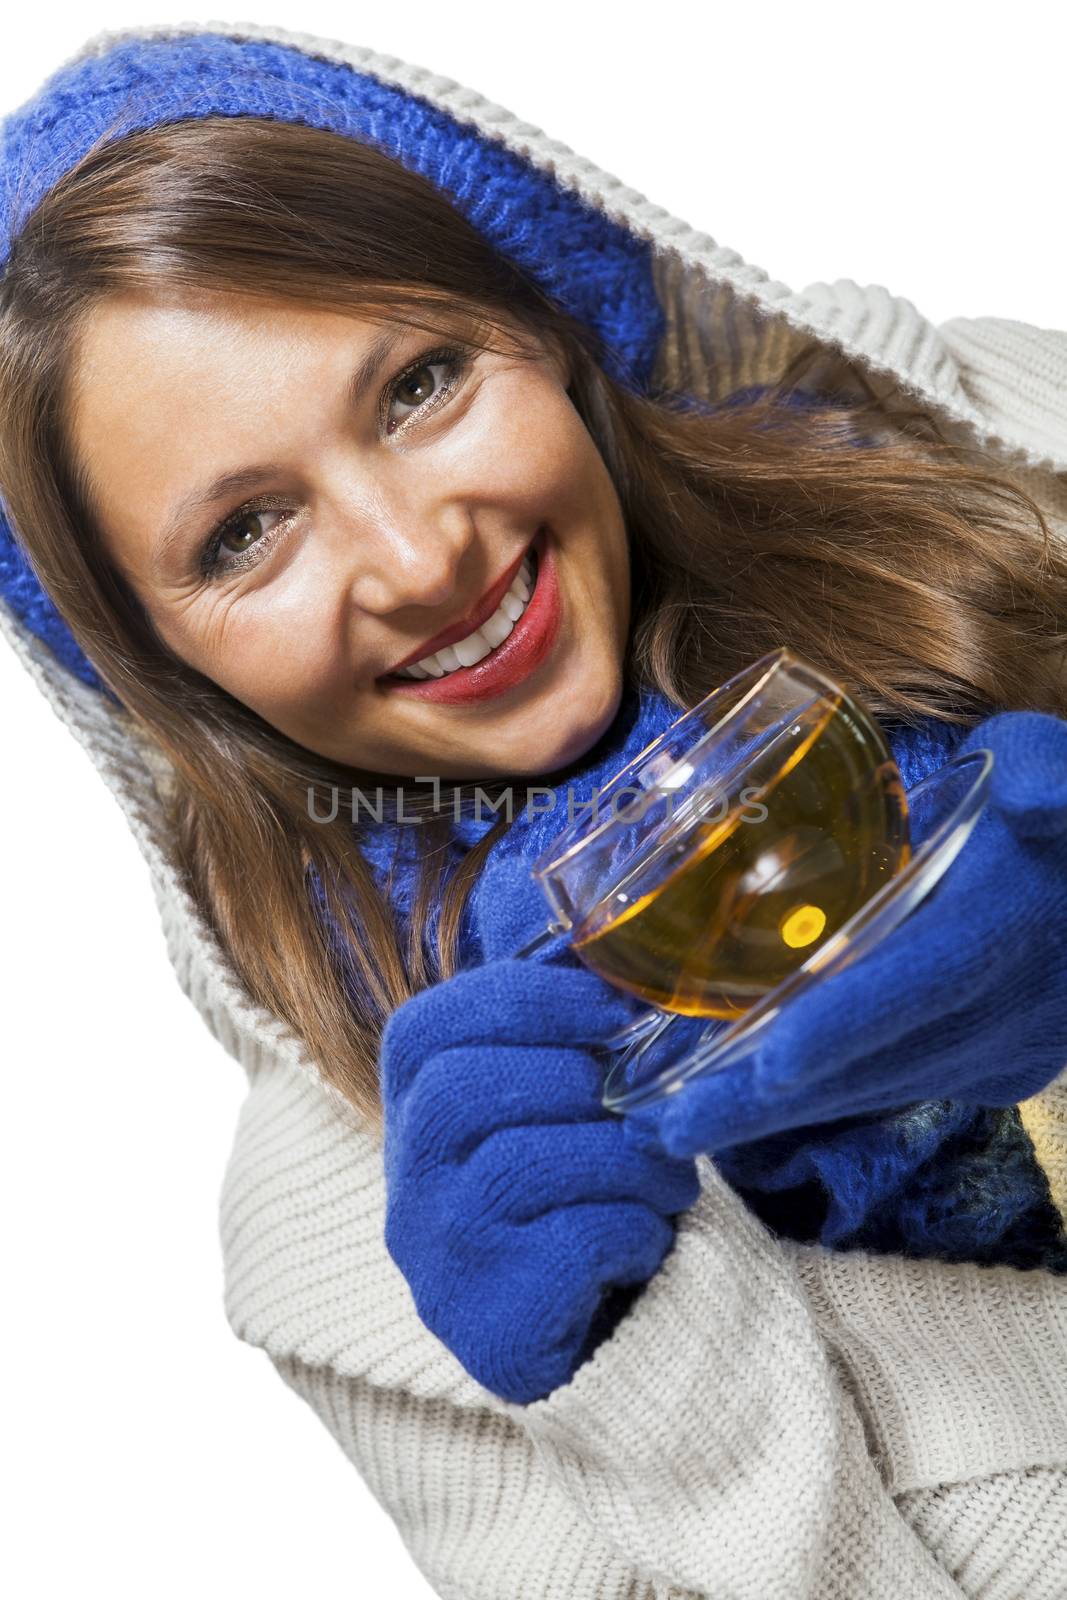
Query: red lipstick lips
[526, 646]
[473, 619]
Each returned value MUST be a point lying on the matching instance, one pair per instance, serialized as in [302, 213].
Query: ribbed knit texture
[770, 1418]
[841, 1390]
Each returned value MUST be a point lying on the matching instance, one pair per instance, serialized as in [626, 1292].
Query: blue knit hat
[593, 267]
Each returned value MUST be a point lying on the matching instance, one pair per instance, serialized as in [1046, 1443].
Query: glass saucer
[656, 1063]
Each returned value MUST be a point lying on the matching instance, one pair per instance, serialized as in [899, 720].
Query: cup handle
[552, 931]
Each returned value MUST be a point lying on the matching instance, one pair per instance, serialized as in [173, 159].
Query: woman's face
[360, 522]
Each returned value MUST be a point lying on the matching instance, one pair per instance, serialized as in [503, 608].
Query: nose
[408, 556]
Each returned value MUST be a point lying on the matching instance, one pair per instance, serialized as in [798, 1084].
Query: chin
[568, 731]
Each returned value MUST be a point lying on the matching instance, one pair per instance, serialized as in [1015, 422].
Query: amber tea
[742, 885]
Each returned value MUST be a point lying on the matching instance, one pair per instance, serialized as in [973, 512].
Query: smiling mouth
[526, 623]
[483, 640]
[479, 642]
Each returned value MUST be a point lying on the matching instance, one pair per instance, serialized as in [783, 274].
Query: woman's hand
[966, 1000]
[514, 1200]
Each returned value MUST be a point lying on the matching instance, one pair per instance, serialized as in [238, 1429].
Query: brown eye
[416, 388]
[423, 388]
[236, 537]
[241, 541]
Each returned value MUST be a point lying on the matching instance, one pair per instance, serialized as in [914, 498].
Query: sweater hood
[674, 309]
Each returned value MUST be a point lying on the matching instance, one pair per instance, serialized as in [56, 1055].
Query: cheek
[273, 649]
[528, 450]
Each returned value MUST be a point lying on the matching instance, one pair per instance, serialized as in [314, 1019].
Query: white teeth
[497, 628]
[477, 645]
[473, 648]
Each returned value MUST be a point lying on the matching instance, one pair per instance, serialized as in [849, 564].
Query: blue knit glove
[965, 1001]
[515, 1204]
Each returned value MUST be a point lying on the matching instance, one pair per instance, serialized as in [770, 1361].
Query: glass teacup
[760, 844]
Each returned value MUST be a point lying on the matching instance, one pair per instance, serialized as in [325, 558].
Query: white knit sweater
[769, 1419]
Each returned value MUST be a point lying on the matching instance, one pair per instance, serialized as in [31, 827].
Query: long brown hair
[918, 578]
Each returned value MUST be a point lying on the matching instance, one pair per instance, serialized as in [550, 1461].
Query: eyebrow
[247, 478]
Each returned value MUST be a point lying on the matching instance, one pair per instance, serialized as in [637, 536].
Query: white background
[144, 1447]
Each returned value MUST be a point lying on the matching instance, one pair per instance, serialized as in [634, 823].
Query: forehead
[149, 368]
[190, 350]
[164, 394]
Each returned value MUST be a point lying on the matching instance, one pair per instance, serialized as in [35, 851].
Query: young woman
[350, 441]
